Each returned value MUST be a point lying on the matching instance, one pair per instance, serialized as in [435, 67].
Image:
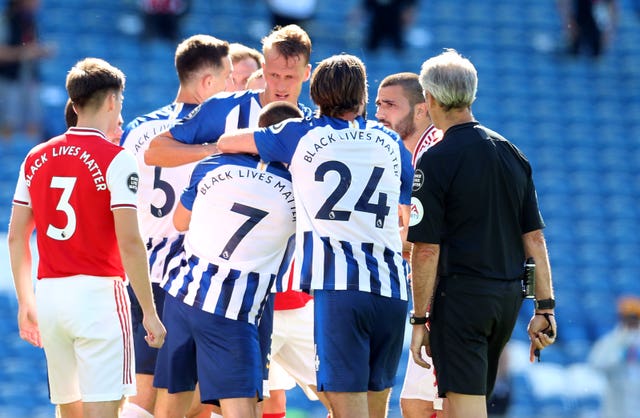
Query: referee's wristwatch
[544, 304]
[418, 320]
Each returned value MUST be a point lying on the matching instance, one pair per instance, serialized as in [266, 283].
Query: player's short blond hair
[289, 41]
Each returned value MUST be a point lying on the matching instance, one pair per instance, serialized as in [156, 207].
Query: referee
[475, 221]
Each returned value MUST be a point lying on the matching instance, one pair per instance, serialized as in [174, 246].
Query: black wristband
[545, 304]
[418, 320]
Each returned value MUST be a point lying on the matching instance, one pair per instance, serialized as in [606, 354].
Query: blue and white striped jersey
[224, 112]
[348, 179]
[159, 188]
[242, 221]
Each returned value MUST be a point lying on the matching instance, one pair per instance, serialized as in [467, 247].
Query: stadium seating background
[577, 120]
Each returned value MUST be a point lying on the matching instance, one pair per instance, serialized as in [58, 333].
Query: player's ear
[207, 80]
[307, 73]
[110, 101]
[420, 110]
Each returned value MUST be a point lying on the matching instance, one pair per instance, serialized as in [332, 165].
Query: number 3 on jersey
[66, 184]
[326, 211]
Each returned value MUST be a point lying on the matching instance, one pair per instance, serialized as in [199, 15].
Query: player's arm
[240, 141]
[181, 217]
[405, 213]
[21, 227]
[542, 329]
[424, 267]
[165, 151]
[134, 260]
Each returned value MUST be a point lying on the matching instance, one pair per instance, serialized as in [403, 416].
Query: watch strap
[545, 304]
[418, 320]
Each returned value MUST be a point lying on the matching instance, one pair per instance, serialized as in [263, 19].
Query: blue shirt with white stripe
[348, 180]
[159, 187]
[240, 236]
[224, 112]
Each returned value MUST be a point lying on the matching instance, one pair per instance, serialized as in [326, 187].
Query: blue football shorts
[145, 356]
[359, 339]
[222, 354]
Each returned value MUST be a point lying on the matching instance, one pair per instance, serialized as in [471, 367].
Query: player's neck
[349, 116]
[445, 120]
[411, 141]
[93, 122]
[185, 95]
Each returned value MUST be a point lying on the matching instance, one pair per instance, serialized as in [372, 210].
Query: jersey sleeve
[204, 124]
[428, 200]
[278, 142]
[21, 196]
[531, 216]
[406, 176]
[188, 195]
[123, 180]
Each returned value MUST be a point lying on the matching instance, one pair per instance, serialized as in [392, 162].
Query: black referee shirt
[473, 194]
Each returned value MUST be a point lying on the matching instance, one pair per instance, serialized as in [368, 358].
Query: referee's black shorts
[471, 321]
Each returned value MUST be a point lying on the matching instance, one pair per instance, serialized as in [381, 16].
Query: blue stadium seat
[578, 121]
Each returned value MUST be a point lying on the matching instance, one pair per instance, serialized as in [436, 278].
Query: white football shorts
[293, 350]
[85, 323]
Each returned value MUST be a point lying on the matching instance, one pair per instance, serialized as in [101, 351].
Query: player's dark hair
[70, 116]
[339, 85]
[410, 83]
[90, 80]
[290, 41]
[199, 52]
[276, 112]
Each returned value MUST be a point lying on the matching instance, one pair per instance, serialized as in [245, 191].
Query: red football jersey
[72, 182]
[291, 299]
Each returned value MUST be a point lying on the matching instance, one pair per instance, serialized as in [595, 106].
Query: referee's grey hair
[451, 79]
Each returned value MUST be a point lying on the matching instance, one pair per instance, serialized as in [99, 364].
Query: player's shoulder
[307, 112]
[293, 127]
[223, 102]
[217, 160]
[162, 113]
[378, 127]
[38, 148]
[279, 170]
[153, 123]
[231, 98]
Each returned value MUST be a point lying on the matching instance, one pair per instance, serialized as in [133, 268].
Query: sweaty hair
[339, 85]
[90, 80]
[451, 79]
[199, 52]
[290, 41]
[276, 112]
[239, 52]
[410, 84]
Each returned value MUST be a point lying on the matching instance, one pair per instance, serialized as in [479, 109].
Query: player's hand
[28, 325]
[419, 338]
[542, 332]
[155, 331]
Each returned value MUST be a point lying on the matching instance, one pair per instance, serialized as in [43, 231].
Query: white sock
[131, 410]
[214, 415]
